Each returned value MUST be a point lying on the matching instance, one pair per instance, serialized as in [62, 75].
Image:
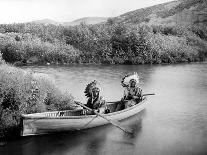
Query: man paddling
[95, 101]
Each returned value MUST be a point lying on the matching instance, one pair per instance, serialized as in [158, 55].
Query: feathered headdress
[126, 79]
[90, 87]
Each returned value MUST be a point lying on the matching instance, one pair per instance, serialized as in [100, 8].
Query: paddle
[109, 120]
[132, 99]
[148, 94]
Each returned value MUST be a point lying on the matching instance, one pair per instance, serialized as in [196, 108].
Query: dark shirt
[130, 92]
[95, 104]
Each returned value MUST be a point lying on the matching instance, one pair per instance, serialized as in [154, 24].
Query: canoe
[70, 120]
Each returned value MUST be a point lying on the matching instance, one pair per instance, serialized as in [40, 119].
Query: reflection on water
[174, 122]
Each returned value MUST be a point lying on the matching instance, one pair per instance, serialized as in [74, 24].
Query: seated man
[95, 101]
[132, 92]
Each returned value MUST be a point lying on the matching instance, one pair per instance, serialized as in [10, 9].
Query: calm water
[174, 121]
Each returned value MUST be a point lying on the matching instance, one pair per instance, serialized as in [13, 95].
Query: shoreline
[104, 64]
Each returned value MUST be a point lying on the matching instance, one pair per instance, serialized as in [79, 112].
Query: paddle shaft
[112, 122]
[148, 94]
[132, 99]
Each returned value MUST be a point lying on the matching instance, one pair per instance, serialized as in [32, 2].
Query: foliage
[180, 7]
[21, 47]
[48, 33]
[24, 92]
[111, 43]
[132, 44]
[200, 31]
[172, 49]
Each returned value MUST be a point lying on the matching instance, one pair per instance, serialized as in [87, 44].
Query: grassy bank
[109, 43]
[26, 92]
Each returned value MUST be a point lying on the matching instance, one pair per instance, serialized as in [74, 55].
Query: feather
[126, 79]
[89, 88]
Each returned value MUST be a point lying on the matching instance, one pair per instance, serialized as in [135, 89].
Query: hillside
[86, 20]
[183, 12]
[45, 21]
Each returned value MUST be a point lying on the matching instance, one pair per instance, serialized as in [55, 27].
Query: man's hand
[96, 110]
[135, 97]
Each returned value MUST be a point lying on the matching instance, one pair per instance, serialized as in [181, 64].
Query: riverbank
[25, 92]
[108, 43]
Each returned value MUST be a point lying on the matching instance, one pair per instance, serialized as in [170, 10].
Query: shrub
[27, 92]
[1, 59]
[30, 46]
[112, 42]
[200, 31]
[172, 49]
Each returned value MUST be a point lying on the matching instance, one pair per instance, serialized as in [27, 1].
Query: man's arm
[125, 94]
[139, 93]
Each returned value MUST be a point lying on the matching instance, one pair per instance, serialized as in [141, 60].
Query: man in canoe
[95, 101]
[132, 92]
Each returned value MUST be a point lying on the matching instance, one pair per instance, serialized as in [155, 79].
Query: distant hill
[45, 21]
[182, 12]
[86, 20]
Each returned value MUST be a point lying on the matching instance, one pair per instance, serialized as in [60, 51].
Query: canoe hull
[45, 125]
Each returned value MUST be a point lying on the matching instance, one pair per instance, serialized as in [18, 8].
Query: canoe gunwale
[28, 116]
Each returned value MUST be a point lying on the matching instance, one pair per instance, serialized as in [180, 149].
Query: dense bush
[127, 44]
[49, 33]
[112, 43]
[172, 49]
[21, 47]
[93, 41]
[200, 31]
[24, 92]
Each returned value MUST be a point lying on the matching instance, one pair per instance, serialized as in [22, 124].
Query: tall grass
[24, 92]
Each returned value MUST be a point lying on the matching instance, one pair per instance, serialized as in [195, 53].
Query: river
[174, 121]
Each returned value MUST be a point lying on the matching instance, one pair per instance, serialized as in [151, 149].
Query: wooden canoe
[70, 120]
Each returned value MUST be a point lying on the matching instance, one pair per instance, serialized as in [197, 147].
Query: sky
[18, 11]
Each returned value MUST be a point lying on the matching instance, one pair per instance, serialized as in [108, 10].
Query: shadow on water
[89, 141]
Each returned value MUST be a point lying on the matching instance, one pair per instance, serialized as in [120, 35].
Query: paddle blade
[125, 129]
